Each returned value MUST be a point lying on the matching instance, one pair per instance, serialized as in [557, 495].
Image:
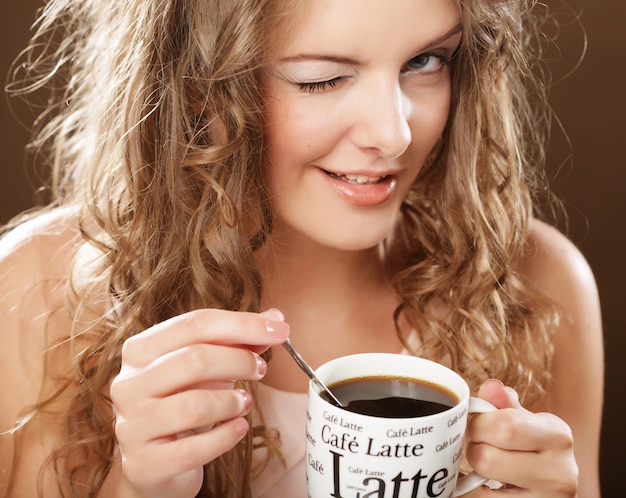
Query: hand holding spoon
[310, 373]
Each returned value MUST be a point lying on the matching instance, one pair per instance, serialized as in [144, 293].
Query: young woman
[357, 175]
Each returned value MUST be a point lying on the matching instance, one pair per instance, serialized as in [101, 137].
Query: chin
[336, 228]
[353, 240]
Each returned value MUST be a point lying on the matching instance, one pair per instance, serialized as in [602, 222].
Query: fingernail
[277, 329]
[241, 426]
[261, 365]
[247, 400]
[496, 380]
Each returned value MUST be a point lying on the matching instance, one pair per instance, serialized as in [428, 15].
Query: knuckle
[483, 458]
[566, 441]
[135, 467]
[130, 347]
[186, 457]
[251, 323]
[567, 485]
[197, 318]
[117, 390]
[114, 391]
[206, 407]
[505, 429]
[197, 359]
[564, 431]
[193, 407]
[223, 404]
[200, 320]
[126, 352]
[568, 489]
[123, 430]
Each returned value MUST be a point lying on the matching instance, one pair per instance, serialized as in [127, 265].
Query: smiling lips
[362, 190]
[358, 179]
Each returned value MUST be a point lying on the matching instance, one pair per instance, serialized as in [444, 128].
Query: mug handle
[473, 480]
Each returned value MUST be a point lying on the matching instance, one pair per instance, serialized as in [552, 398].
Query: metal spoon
[310, 373]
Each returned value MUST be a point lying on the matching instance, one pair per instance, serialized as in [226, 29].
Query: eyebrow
[347, 60]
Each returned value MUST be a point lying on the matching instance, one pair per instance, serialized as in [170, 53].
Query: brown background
[589, 176]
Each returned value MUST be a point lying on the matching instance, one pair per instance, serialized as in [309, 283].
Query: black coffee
[392, 397]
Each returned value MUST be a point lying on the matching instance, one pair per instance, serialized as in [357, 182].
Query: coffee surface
[392, 397]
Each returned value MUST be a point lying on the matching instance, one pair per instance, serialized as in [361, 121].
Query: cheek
[294, 140]
[277, 141]
[433, 108]
[301, 124]
[428, 122]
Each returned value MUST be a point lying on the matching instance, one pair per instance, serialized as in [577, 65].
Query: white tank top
[286, 412]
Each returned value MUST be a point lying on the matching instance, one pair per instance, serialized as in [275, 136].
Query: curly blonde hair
[157, 135]
[465, 223]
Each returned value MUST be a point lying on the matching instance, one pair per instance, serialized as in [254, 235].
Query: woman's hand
[175, 402]
[532, 453]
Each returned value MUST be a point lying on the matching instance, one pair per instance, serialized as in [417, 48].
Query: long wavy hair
[465, 223]
[154, 130]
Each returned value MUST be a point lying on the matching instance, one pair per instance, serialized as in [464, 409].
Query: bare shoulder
[39, 244]
[35, 261]
[555, 267]
[35, 258]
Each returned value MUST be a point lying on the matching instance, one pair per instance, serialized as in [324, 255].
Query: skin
[339, 104]
[175, 405]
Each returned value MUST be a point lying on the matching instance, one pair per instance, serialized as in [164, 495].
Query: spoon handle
[309, 371]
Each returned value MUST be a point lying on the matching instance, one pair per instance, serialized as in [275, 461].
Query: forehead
[358, 25]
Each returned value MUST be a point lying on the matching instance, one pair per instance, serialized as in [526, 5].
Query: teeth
[358, 179]
[362, 179]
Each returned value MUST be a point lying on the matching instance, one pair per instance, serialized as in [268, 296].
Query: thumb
[498, 394]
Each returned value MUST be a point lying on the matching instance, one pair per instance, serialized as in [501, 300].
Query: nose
[382, 122]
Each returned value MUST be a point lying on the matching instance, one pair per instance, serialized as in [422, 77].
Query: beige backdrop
[592, 107]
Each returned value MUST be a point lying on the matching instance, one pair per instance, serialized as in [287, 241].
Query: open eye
[427, 63]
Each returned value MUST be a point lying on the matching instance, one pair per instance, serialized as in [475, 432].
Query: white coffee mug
[351, 455]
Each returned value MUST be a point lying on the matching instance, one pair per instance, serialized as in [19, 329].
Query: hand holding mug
[531, 452]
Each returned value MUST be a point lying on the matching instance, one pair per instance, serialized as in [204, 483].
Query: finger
[200, 363]
[520, 430]
[495, 490]
[181, 413]
[501, 465]
[186, 368]
[547, 474]
[205, 326]
[498, 394]
[181, 456]
[485, 492]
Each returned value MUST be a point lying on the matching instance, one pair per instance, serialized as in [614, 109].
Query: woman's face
[357, 97]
